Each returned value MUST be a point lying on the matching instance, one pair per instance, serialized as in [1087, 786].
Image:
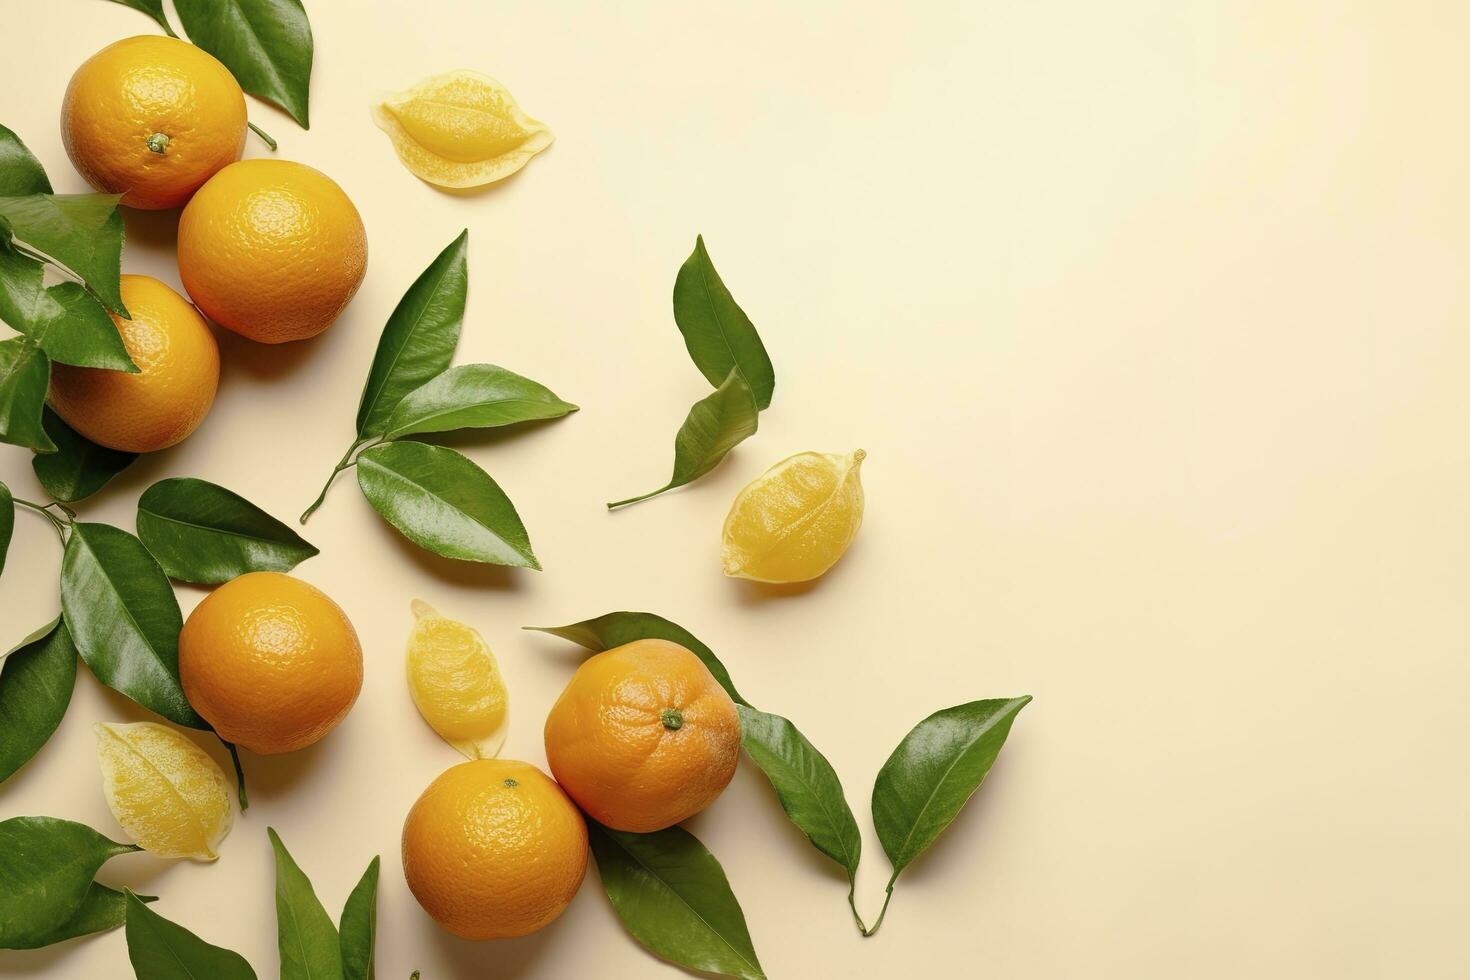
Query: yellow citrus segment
[794, 521]
[164, 790]
[460, 129]
[456, 683]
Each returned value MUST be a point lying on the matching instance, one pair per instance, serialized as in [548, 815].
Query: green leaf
[73, 328]
[47, 866]
[122, 613]
[443, 502]
[102, 909]
[164, 950]
[266, 45]
[933, 772]
[419, 339]
[474, 396]
[36, 681]
[83, 232]
[805, 783]
[79, 467]
[310, 948]
[25, 373]
[672, 895]
[7, 526]
[20, 172]
[715, 425]
[154, 9]
[21, 294]
[617, 628]
[203, 533]
[719, 335]
[359, 926]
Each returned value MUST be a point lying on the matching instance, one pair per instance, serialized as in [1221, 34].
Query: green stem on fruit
[342, 464]
[158, 143]
[263, 135]
[239, 775]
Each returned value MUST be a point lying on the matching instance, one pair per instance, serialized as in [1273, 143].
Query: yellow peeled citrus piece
[460, 129]
[165, 791]
[456, 683]
[795, 520]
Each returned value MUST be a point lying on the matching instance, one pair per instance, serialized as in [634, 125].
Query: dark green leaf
[25, 373]
[20, 171]
[203, 533]
[21, 294]
[73, 328]
[84, 232]
[474, 396]
[154, 9]
[310, 948]
[715, 425]
[805, 783]
[47, 866]
[672, 895]
[930, 776]
[617, 628]
[266, 44]
[443, 502]
[102, 909]
[79, 467]
[36, 681]
[419, 339]
[123, 616]
[360, 925]
[719, 335]
[7, 526]
[164, 950]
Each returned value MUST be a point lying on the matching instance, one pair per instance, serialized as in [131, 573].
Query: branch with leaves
[727, 350]
[679, 904]
[438, 498]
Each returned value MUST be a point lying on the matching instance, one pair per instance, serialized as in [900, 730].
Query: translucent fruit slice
[456, 683]
[460, 129]
[165, 791]
[794, 521]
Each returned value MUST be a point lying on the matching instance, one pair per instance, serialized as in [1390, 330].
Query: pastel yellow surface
[460, 129]
[165, 791]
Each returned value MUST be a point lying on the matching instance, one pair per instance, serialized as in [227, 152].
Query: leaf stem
[342, 464]
[633, 500]
[887, 897]
[59, 524]
[852, 904]
[262, 134]
[239, 775]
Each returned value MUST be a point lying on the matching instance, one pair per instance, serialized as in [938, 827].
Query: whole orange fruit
[494, 849]
[272, 250]
[643, 736]
[152, 118]
[270, 662]
[178, 374]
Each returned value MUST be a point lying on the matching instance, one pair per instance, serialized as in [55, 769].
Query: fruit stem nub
[158, 143]
[672, 718]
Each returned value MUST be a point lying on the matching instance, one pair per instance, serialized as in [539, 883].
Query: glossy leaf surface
[124, 618]
[443, 502]
[202, 533]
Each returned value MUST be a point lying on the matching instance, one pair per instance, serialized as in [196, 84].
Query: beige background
[1151, 317]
